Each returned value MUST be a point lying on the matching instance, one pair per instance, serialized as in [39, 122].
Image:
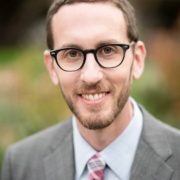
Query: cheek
[67, 81]
[119, 76]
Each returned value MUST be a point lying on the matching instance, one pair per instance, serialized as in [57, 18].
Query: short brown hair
[123, 5]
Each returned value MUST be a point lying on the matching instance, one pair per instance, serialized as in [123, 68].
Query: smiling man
[94, 55]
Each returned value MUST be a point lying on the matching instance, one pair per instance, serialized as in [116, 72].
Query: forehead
[86, 20]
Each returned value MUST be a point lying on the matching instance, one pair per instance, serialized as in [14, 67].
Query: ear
[50, 65]
[139, 58]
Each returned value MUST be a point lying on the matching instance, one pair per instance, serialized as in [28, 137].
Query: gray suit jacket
[48, 155]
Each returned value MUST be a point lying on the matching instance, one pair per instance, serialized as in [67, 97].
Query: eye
[107, 50]
[71, 54]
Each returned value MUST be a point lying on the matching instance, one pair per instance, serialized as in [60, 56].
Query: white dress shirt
[119, 155]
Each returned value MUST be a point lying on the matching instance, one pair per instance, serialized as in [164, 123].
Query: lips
[93, 94]
[93, 97]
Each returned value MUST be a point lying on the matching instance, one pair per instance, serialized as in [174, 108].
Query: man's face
[95, 95]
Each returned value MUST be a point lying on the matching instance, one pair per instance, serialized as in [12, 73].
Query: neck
[101, 138]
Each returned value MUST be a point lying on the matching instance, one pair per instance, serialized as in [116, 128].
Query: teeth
[93, 97]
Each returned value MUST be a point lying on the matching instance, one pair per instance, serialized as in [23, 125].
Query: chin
[95, 121]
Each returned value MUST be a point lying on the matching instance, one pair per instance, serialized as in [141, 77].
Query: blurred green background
[28, 100]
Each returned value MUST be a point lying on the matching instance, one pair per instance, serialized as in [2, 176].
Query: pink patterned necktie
[96, 167]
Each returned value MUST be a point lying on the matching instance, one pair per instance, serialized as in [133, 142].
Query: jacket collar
[152, 153]
[59, 162]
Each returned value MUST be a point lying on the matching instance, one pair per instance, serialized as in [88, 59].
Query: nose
[91, 73]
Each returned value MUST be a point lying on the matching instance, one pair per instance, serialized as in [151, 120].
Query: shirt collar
[119, 155]
[83, 151]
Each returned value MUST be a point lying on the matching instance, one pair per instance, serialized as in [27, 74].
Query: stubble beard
[97, 120]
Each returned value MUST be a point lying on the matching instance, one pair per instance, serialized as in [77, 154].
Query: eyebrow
[105, 42]
[99, 44]
[70, 45]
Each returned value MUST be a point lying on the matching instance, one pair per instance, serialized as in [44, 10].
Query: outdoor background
[28, 100]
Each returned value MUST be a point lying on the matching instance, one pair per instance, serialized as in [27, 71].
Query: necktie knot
[96, 167]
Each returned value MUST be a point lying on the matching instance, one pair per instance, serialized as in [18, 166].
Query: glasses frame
[124, 47]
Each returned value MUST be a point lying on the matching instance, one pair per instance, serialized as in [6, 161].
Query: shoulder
[158, 126]
[25, 159]
[160, 135]
[43, 141]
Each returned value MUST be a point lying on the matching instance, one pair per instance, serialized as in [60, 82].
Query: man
[94, 57]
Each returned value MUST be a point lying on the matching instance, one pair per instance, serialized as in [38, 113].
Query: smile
[93, 97]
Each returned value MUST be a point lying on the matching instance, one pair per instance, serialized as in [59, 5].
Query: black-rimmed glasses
[107, 56]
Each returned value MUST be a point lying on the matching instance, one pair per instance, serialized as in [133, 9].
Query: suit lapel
[149, 166]
[59, 163]
[152, 153]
